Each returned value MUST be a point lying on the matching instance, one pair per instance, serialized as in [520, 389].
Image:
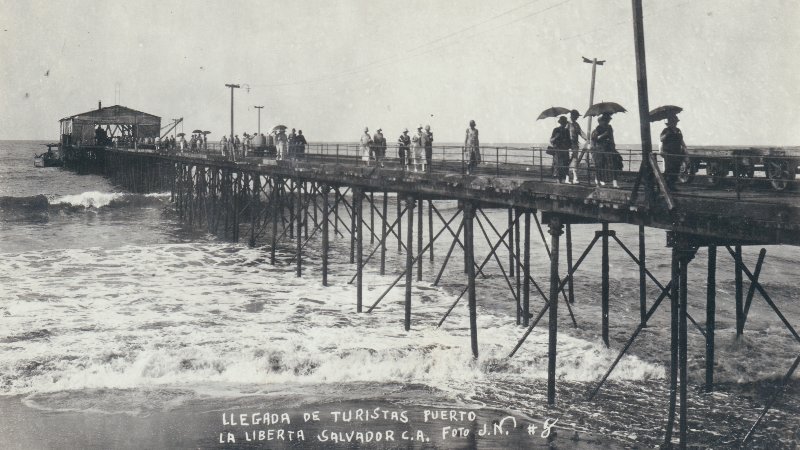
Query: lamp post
[233, 148]
[259, 117]
[594, 62]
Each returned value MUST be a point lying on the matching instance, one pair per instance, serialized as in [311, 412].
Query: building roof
[114, 115]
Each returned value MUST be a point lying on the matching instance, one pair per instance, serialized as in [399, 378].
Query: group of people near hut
[277, 143]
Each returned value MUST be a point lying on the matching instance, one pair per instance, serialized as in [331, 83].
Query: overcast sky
[333, 67]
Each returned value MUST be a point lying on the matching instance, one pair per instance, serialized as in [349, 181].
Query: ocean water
[110, 305]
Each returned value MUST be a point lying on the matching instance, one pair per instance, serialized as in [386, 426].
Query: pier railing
[740, 171]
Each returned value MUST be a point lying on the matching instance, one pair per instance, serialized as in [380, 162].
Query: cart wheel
[686, 173]
[716, 172]
[780, 174]
[745, 171]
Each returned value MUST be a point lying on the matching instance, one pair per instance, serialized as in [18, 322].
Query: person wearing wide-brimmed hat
[472, 147]
[364, 146]
[403, 143]
[604, 152]
[575, 133]
[560, 143]
[416, 153]
[673, 149]
[378, 146]
[426, 139]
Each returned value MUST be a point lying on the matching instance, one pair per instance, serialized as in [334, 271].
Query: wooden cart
[779, 164]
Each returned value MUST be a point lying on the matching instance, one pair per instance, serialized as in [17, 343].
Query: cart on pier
[778, 164]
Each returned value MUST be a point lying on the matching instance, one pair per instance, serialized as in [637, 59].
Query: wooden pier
[325, 192]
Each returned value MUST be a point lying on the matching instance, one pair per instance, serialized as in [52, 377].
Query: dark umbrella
[279, 127]
[181, 134]
[604, 108]
[206, 132]
[555, 111]
[197, 131]
[663, 112]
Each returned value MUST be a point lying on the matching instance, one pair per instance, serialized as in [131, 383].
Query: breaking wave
[37, 205]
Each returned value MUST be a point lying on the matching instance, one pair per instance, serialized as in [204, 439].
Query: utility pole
[259, 117]
[594, 62]
[644, 102]
[233, 149]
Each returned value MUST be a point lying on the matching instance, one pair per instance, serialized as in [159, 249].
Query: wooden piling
[682, 350]
[512, 266]
[275, 211]
[430, 230]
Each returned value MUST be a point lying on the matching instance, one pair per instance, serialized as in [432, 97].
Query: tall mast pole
[259, 117]
[644, 103]
[233, 150]
[594, 62]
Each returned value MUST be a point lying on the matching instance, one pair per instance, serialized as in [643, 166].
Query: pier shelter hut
[126, 124]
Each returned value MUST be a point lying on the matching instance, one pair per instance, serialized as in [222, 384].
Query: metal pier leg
[372, 217]
[642, 278]
[292, 187]
[430, 229]
[526, 267]
[739, 293]
[673, 365]
[325, 214]
[570, 283]
[336, 211]
[409, 258]
[605, 283]
[469, 256]
[383, 233]
[420, 219]
[682, 351]
[276, 211]
[556, 228]
[511, 266]
[358, 206]
[399, 227]
[353, 229]
[299, 255]
[305, 211]
[254, 207]
[517, 252]
[711, 297]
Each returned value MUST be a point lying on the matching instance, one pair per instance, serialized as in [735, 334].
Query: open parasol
[279, 128]
[181, 134]
[197, 131]
[206, 132]
[604, 108]
[663, 112]
[554, 111]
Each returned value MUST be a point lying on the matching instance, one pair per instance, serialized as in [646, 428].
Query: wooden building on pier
[115, 121]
